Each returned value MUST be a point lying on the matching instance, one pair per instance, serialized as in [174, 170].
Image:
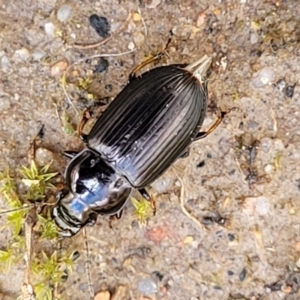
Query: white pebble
[264, 77]
[5, 64]
[50, 29]
[22, 53]
[64, 13]
[162, 185]
[269, 169]
[131, 46]
[37, 54]
[262, 205]
[254, 38]
[147, 286]
[17, 96]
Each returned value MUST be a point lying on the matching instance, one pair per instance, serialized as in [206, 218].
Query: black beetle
[143, 131]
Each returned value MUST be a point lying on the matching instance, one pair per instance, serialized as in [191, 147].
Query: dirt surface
[242, 183]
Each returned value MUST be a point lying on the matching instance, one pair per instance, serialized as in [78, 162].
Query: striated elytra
[150, 124]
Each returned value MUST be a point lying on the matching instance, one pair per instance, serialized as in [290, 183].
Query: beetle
[146, 128]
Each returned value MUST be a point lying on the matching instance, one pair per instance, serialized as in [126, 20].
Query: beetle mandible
[149, 125]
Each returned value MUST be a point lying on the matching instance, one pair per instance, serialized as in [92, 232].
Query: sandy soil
[242, 183]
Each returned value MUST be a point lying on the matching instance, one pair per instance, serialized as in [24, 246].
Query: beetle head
[94, 187]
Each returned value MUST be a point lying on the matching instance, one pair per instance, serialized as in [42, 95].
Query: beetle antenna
[87, 265]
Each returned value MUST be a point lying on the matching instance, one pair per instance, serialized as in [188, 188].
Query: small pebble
[162, 185]
[63, 13]
[5, 64]
[80, 268]
[103, 295]
[289, 91]
[58, 68]
[100, 24]
[147, 286]
[138, 39]
[263, 77]
[188, 240]
[274, 287]
[201, 164]
[136, 17]
[101, 66]
[23, 53]
[83, 287]
[50, 30]
[231, 237]
[262, 205]
[158, 275]
[201, 19]
[280, 84]
[43, 157]
[243, 274]
[292, 211]
[154, 4]
[120, 293]
[254, 38]
[286, 289]
[266, 145]
[38, 54]
[131, 46]
[269, 169]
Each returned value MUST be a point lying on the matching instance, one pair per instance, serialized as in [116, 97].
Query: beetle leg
[70, 154]
[145, 194]
[117, 216]
[202, 135]
[156, 57]
[153, 205]
[92, 219]
[87, 114]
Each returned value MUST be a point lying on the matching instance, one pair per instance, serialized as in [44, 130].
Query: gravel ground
[241, 184]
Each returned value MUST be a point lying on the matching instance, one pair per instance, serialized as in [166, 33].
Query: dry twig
[182, 203]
